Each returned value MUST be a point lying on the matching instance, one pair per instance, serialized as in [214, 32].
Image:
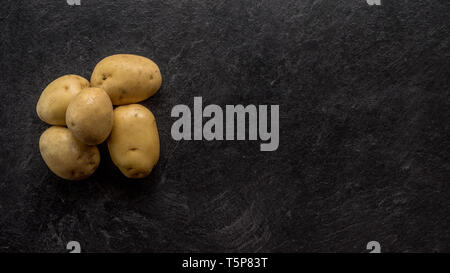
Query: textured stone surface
[364, 139]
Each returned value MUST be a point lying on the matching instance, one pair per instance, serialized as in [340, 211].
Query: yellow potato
[127, 78]
[134, 141]
[89, 116]
[55, 98]
[66, 156]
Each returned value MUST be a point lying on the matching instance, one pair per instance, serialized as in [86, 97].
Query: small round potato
[127, 78]
[55, 98]
[66, 156]
[134, 141]
[90, 116]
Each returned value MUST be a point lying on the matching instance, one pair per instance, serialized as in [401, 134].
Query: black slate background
[364, 138]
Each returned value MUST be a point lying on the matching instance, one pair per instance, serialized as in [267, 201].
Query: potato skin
[134, 140]
[127, 78]
[66, 156]
[52, 104]
[89, 116]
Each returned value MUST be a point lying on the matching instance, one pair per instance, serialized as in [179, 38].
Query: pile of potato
[83, 116]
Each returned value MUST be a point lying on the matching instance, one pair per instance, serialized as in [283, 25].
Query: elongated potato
[66, 156]
[134, 141]
[127, 78]
[90, 116]
[55, 98]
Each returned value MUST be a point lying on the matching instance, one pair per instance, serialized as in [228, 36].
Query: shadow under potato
[108, 179]
[108, 173]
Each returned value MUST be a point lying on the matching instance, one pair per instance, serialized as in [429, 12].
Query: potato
[127, 78]
[134, 141]
[66, 156]
[89, 116]
[55, 98]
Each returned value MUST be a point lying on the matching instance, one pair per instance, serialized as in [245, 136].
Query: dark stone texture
[364, 138]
